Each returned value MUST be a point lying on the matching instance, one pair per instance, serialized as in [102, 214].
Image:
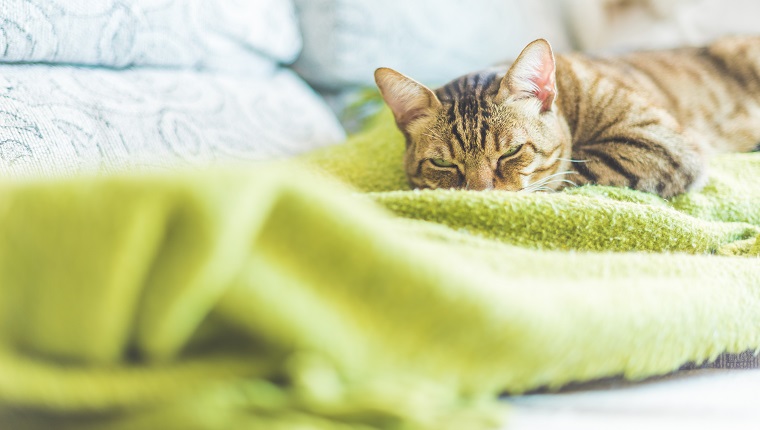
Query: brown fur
[646, 120]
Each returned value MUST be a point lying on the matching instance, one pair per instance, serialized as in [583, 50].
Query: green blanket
[282, 299]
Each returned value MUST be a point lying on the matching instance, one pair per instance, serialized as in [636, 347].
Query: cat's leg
[648, 154]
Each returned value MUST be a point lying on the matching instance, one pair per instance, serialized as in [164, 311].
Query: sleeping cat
[646, 120]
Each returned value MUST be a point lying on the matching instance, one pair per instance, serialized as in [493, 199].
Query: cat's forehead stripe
[467, 104]
[451, 113]
[483, 133]
[475, 84]
[457, 135]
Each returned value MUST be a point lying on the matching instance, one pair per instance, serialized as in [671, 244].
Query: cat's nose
[477, 187]
[479, 182]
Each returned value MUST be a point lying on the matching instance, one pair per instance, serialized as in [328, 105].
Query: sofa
[206, 225]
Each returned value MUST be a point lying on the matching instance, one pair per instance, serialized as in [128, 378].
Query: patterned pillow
[119, 33]
[430, 40]
[208, 88]
[64, 120]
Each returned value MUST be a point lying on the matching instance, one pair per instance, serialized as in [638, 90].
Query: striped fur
[647, 120]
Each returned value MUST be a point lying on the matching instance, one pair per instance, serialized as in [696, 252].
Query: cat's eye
[440, 162]
[511, 151]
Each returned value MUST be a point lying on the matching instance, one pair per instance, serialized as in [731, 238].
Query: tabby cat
[646, 120]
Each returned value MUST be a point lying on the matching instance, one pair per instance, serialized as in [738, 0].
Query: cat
[646, 120]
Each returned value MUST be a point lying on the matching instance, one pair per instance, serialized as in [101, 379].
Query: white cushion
[430, 40]
[64, 120]
[179, 33]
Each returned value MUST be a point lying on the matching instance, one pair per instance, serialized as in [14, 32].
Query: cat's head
[485, 130]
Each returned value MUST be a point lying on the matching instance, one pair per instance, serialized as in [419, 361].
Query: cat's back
[728, 67]
[713, 90]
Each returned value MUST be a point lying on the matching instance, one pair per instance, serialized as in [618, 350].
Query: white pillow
[178, 33]
[64, 120]
[429, 40]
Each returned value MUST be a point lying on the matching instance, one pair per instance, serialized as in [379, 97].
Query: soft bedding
[65, 120]
[216, 34]
[101, 86]
[281, 298]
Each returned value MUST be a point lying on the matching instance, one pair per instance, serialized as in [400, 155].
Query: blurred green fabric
[281, 298]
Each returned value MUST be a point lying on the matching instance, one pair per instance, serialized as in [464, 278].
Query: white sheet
[706, 399]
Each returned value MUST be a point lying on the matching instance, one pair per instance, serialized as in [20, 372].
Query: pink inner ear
[533, 75]
[545, 85]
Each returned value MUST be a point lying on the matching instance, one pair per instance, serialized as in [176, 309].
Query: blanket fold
[276, 298]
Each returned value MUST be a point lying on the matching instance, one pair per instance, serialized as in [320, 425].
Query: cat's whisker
[565, 181]
[543, 184]
[557, 174]
[535, 185]
[532, 187]
[546, 179]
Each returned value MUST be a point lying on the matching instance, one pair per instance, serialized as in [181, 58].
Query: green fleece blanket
[282, 299]
[722, 218]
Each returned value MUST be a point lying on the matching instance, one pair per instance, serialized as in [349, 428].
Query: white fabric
[622, 25]
[66, 120]
[177, 33]
[708, 399]
[209, 92]
[429, 40]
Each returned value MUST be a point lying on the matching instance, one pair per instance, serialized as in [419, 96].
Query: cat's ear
[533, 74]
[407, 98]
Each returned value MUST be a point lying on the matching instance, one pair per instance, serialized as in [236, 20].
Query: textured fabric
[273, 300]
[724, 217]
[432, 41]
[277, 300]
[65, 120]
[208, 90]
[179, 33]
